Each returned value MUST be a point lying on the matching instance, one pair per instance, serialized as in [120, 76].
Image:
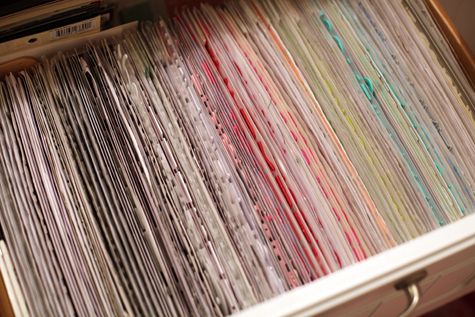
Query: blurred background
[462, 13]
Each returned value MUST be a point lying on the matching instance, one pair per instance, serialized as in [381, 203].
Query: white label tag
[76, 28]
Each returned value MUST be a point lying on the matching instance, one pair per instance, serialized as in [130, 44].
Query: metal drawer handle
[413, 295]
[411, 288]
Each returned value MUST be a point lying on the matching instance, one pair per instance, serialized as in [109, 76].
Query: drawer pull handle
[411, 288]
[413, 295]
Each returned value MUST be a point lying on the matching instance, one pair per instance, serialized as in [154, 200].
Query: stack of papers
[241, 151]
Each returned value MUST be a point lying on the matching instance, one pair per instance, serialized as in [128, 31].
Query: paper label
[76, 28]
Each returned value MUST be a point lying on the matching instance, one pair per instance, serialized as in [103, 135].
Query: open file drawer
[442, 261]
